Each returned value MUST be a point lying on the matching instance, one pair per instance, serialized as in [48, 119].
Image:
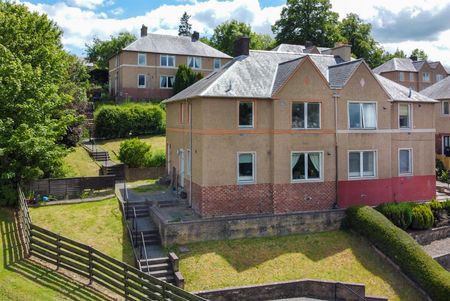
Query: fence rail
[86, 261]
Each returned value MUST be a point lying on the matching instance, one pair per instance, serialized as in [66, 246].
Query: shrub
[439, 167]
[155, 158]
[119, 121]
[402, 249]
[133, 151]
[184, 78]
[436, 208]
[422, 217]
[400, 214]
[446, 206]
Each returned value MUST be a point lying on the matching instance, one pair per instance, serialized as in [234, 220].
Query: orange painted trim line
[249, 131]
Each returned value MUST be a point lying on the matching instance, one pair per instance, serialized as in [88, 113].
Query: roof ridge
[346, 63]
[290, 61]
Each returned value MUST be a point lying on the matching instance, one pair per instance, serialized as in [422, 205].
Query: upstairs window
[194, 62]
[217, 64]
[404, 116]
[405, 161]
[246, 168]
[362, 115]
[306, 166]
[141, 81]
[167, 60]
[439, 77]
[445, 108]
[142, 59]
[426, 77]
[166, 82]
[246, 114]
[402, 76]
[411, 77]
[361, 164]
[305, 115]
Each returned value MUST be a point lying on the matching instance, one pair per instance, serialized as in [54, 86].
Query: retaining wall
[425, 237]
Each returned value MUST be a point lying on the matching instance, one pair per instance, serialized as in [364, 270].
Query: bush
[439, 167]
[184, 78]
[155, 158]
[402, 249]
[446, 206]
[119, 121]
[422, 217]
[400, 214]
[436, 208]
[133, 152]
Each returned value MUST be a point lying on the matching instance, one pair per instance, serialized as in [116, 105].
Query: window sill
[246, 182]
[362, 178]
[362, 129]
[307, 181]
[164, 88]
[142, 87]
[306, 129]
[244, 127]
[405, 175]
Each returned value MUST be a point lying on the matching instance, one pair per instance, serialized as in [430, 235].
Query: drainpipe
[190, 152]
[335, 98]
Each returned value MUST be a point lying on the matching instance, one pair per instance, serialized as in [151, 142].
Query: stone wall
[144, 173]
[234, 227]
[324, 290]
[427, 236]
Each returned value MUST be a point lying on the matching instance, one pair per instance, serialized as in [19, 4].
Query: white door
[181, 168]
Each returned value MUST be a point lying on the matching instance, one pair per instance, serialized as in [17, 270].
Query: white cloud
[117, 11]
[91, 4]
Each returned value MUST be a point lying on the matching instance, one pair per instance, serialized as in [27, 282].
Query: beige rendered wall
[442, 121]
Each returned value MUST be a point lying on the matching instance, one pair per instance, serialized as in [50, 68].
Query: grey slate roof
[339, 74]
[401, 93]
[439, 90]
[295, 48]
[396, 64]
[418, 64]
[158, 43]
[283, 73]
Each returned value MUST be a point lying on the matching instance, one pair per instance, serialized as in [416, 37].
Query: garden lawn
[98, 224]
[78, 163]
[113, 146]
[337, 256]
[24, 280]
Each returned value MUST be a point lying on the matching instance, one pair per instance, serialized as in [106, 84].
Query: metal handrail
[143, 247]
[135, 226]
[349, 289]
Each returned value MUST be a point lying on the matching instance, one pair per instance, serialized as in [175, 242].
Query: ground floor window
[166, 82]
[405, 161]
[141, 81]
[306, 166]
[246, 167]
[361, 164]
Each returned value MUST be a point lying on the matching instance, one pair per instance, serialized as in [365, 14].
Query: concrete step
[156, 267]
[153, 261]
[160, 273]
[168, 279]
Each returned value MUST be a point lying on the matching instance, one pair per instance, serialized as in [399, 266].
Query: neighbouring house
[412, 73]
[441, 92]
[275, 132]
[344, 51]
[146, 68]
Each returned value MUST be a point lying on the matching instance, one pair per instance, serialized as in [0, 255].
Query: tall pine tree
[185, 27]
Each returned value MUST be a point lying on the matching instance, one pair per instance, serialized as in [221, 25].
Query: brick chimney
[308, 44]
[195, 36]
[242, 46]
[144, 30]
[342, 50]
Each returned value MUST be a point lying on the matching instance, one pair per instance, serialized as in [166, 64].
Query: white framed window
[362, 115]
[404, 116]
[246, 167]
[402, 76]
[306, 166]
[194, 62]
[142, 59]
[166, 82]
[142, 81]
[405, 163]
[411, 76]
[217, 64]
[362, 164]
[446, 108]
[439, 77]
[246, 113]
[166, 60]
[426, 77]
[306, 115]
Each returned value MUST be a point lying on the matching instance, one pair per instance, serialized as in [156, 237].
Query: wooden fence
[119, 277]
[67, 188]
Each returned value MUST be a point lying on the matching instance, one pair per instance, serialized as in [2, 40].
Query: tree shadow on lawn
[14, 260]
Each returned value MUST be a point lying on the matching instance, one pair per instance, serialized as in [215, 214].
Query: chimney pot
[309, 44]
[195, 36]
[144, 30]
[242, 46]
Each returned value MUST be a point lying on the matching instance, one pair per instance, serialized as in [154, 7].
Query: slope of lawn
[98, 224]
[24, 280]
[338, 256]
[78, 163]
[113, 146]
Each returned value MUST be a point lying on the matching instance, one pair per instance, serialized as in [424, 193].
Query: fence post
[91, 267]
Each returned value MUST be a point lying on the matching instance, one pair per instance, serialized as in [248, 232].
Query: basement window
[361, 164]
[245, 114]
[246, 168]
[305, 115]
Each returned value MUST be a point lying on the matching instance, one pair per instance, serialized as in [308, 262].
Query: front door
[181, 168]
[446, 146]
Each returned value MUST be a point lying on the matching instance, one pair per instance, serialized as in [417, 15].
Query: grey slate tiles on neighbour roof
[401, 93]
[284, 71]
[396, 64]
[295, 48]
[167, 44]
[439, 90]
[339, 74]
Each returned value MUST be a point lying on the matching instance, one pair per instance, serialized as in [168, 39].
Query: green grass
[78, 163]
[24, 280]
[113, 146]
[147, 186]
[338, 256]
[98, 224]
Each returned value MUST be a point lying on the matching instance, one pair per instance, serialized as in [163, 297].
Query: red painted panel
[374, 192]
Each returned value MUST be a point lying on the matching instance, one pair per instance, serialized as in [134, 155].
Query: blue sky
[404, 24]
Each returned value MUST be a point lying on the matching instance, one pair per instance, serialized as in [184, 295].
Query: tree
[99, 52]
[185, 27]
[421, 55]
[358, 34]
[307, 20]
[261, 41]
[397, 54]
[35, 114]
[184, 78]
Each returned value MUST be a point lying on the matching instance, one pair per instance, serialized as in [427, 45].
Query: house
[441, 92]
[342, 50]
[146, 68]
[275, 132]
[412, 73]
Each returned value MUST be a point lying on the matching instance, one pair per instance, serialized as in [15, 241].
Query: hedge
[402, 249]
[119, 121]
[398, 213]
[422, 217]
